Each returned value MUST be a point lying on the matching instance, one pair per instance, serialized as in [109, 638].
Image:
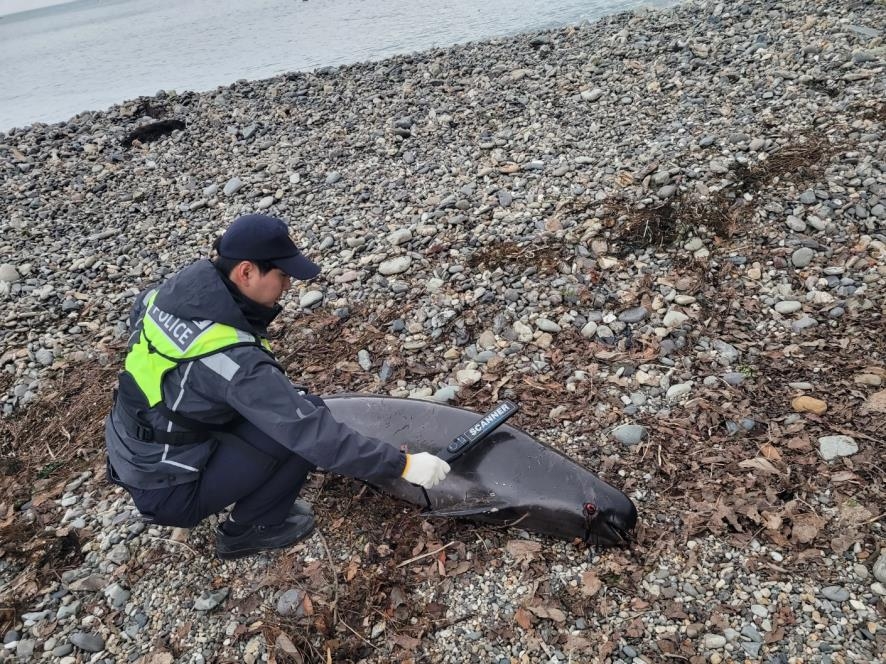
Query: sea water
[59, 60]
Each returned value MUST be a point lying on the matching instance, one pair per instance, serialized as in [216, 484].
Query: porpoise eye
[590, 509]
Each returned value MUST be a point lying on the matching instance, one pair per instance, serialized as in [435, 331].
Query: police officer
[204, 416]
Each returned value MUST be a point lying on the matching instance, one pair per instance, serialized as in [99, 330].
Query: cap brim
[298, 267]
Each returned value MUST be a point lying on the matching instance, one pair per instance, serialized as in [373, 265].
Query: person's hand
[425, 469]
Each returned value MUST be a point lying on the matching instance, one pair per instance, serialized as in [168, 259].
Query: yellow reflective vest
[165, 341]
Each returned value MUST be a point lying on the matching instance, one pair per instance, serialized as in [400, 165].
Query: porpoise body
[510, 478]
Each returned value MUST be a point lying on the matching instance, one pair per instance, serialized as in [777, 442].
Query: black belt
[143, 431]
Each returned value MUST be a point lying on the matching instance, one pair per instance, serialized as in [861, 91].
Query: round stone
[310, 298]
[629, 434]
[833, 447]
[634, 315]
[589, 330]
[9, 273]
[678, 390]
[674, 319]
[88, 641]
[880, 567]
[802, 257]
[290, 603]
[546, 325]
[467, 377]
[788, 306]
[395, 265]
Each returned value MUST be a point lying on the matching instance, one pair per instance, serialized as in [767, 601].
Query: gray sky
[13, 6]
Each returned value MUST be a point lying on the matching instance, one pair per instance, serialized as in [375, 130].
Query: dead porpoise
[510, 478]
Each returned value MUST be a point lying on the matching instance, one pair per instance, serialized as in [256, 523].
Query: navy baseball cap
[258, 237]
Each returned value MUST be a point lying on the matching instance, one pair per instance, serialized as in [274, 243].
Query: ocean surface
[61, 59]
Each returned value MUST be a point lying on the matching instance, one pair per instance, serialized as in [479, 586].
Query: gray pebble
[629, 434]
[290, 603]
[208, 600]
[802, 257]
[879, 569]
[634, 315]
[232, 186]
[88, 641]
[833, 447]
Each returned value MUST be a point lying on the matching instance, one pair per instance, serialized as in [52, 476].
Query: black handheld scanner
[466, 441]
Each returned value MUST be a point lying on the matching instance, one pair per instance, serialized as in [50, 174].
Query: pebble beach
[664, 233]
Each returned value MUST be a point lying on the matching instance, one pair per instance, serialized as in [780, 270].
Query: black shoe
[262, 538]
[300, 508]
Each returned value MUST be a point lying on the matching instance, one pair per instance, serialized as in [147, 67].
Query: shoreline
[208, 69]
[656, 231]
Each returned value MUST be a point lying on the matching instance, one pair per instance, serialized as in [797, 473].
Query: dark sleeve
[139, 306]
[263, 395]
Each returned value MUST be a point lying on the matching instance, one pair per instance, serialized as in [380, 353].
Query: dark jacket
[243, 381]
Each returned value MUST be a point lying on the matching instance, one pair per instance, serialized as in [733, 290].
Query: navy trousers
[260, 476]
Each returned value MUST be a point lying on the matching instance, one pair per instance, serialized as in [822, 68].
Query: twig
[876, 518]
[544, 646]
[425, 555]
[172, 541]
[455, 621]
[359, 636]
[334, 577]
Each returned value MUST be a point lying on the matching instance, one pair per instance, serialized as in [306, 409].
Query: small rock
[364, 360]
[44, 357]
[232, 186]
[788, 306]
[486, 340]
[589, 330]
[310, 298]
[445, 394]
[629, 434]
[806, 404]
[546, 325]
[868, 379]
[879, 569]
[727, 352]
[9, 273]
[400, 236]
[290, 603]
[88, 641]
[802, 257]
[678, 390]
[835, 593]
[734, 378]
[467, 377]
[634, 315]
[395, 265]
[24, 649]
[714, 641]
[808, 197]
[806, 322]
[832, 447]
[209, 600]
[674, 319]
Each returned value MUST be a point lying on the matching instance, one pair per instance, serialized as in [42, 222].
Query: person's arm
[263, 395]
[139, 306]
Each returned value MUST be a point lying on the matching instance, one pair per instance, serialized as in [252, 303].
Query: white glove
[425, 469]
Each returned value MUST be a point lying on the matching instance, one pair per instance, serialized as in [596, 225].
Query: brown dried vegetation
[726, 211]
